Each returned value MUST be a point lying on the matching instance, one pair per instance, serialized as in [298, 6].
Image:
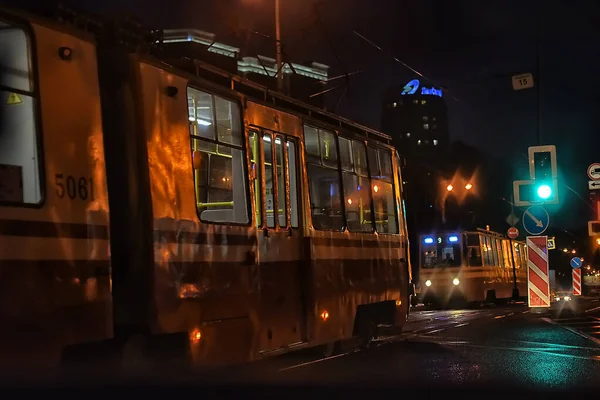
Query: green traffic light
[544, 191]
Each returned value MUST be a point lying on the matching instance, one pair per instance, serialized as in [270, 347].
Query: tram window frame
[314, 166]
[215, 142]
[496, 253]
[374, 162]
[505, 254]
[30, 93]
[290, 185]
[486, 254]
[352, 173]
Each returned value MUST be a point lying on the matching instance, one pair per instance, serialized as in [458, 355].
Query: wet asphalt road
[501, 352]
[500, 347]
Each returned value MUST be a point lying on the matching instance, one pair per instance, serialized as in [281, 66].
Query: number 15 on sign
[523, 81]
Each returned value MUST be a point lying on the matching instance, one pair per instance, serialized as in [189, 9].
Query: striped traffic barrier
[538, 281]
[577, 282]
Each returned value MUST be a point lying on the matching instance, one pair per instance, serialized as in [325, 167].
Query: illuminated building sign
[412, 87]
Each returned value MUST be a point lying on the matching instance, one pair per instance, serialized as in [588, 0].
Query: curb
[583, 335]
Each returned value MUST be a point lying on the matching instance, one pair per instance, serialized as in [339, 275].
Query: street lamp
[468, 186]
[449, 187]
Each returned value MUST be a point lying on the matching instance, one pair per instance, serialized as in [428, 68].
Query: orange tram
[470, 267]
[174, 207]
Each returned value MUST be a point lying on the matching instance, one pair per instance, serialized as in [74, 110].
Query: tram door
[280, 237]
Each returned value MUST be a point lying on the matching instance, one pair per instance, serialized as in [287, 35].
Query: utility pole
[278, 47]
[537, 75]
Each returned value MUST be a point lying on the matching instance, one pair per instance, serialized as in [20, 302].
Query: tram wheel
[368, 336]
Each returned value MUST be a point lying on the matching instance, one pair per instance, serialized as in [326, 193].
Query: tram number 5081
[73, 187]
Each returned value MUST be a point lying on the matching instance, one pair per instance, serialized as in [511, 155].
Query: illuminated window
[273, 170]
[323, 179]
[425, 126]
[435, 142]
[275, 207]
[394, 104]
[425, 118]
[218, 158]
[355, 177]
[407, 134]
[415, 101]
[433, 119]
[292, 172]
[19, 159]
[423, 102]
[382, 189]
[419, 141]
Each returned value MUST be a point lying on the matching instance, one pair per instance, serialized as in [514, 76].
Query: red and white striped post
[577, 282]
[538, 280]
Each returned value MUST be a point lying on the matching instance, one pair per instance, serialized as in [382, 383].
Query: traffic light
[542, 163]
[533, 192]
[542, 169]
[542, 188]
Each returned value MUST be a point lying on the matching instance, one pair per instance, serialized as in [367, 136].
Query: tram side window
[220, 179]
[488, 258]
[323, 179]
[293, 178]
[474, 256]
[498, 253]
[274, 209]
[382, 187]
[472, 243]
[19, 159]
[255, 167]
[353, 156]
[506, 254]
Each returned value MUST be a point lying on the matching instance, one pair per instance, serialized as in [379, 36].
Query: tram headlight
[427, 283]
[455, 281]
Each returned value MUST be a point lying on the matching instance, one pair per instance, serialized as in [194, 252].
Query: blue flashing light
[453, 239]
[428, 240]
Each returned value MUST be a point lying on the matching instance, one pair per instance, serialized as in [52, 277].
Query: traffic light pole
[515, 292]
[537, 73]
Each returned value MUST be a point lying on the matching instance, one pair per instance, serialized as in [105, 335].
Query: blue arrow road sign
[576, 262]
[535, 220]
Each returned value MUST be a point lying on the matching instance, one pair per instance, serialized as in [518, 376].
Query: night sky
[471, 48]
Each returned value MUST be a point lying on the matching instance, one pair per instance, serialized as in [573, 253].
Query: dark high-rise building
[415, 115]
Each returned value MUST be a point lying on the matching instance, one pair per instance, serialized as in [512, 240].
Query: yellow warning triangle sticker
[13, 99]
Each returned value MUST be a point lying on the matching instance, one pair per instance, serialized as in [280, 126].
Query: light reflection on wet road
[496, 346]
